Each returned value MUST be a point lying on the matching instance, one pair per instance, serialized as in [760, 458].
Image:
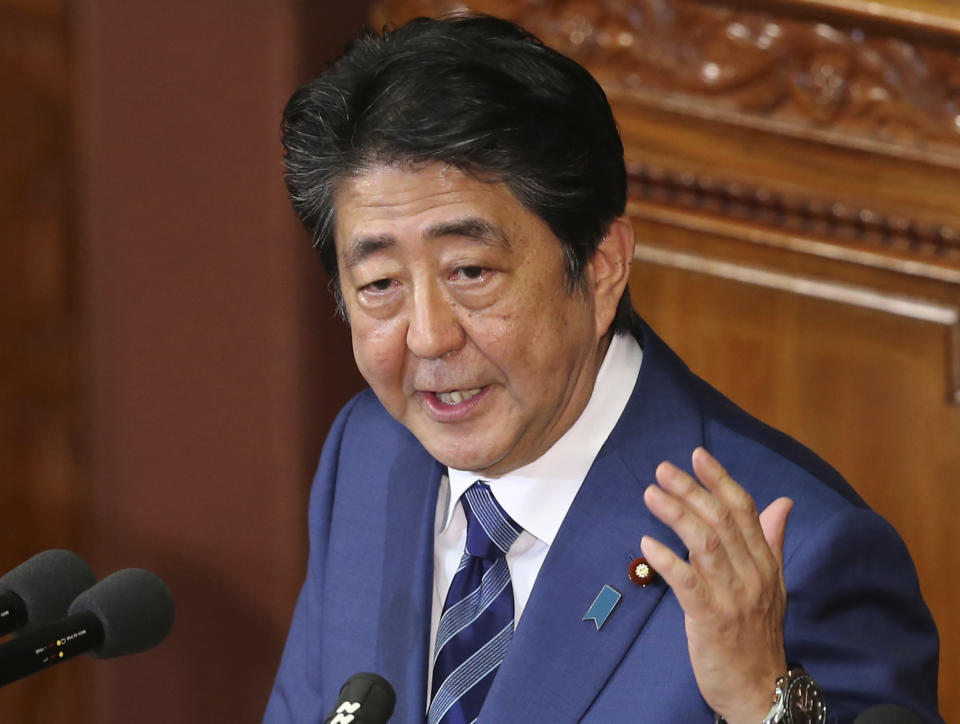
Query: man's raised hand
[731, 588]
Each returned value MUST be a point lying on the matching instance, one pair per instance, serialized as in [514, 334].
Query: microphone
[364, 699]
[887, 714]
[41, 588]
[127, 612]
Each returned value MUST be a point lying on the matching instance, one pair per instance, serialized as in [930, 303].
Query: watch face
[804, 700]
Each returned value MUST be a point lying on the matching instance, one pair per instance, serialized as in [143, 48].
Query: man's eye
[381, 285]
[471, 273]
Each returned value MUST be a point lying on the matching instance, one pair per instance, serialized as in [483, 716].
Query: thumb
[773, 521]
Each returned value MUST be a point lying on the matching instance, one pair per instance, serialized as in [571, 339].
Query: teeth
[455, 397]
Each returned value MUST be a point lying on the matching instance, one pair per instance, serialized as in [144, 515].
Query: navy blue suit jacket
[855, 618]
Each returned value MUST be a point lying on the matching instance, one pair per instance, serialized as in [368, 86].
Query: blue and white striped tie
[477, 621]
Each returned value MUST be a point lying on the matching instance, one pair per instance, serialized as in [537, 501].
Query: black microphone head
[135, 609]
[47, 583]
[887, 714]
[366, 698]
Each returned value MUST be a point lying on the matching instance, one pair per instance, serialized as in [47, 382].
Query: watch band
[813, 708]
[778, 705]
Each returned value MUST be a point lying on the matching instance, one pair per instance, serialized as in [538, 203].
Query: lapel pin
[602, 605]
[640, 572]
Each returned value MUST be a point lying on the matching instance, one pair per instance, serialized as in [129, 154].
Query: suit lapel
[557, 663]
[379, 584]
[407, 595]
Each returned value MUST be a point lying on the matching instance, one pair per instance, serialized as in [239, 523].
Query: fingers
[703, 526]
[693, 596]
[711, 529]
[727, 492]
[773, 521]
[732, 548]
[731, 588]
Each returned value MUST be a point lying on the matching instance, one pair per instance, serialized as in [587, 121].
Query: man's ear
[610, 271]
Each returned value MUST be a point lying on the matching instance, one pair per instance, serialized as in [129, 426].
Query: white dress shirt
[538, 495]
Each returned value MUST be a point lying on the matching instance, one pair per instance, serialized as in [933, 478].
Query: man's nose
[434, 328]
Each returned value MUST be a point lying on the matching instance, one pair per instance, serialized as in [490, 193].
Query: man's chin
[477, 461]
[479, 446]
[475, 464]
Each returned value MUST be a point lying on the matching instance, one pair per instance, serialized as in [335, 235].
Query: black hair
[474, 92]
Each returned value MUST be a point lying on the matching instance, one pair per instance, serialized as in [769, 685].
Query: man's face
[460, 319]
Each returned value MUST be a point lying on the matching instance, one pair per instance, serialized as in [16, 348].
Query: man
[478, 517]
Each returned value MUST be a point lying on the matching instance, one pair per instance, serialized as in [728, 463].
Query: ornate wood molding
[938, 16]
[862, 254]
[874, 82]
[798, 213]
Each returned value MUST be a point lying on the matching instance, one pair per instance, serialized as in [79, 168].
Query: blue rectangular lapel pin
[604, 603]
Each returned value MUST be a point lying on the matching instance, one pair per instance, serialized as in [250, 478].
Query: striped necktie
[477, 621]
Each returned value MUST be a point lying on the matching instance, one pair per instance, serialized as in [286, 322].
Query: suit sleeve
[856, 620]
[296, 695]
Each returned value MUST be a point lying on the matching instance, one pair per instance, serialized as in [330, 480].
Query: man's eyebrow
[364, 247]
[470, 227]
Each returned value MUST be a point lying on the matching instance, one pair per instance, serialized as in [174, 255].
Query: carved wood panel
[844, 80]
[833, 74]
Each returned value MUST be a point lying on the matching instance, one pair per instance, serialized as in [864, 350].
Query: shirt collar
[538, 495]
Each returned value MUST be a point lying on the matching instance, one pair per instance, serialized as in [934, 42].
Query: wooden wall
[169, 360]
[795, 189]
